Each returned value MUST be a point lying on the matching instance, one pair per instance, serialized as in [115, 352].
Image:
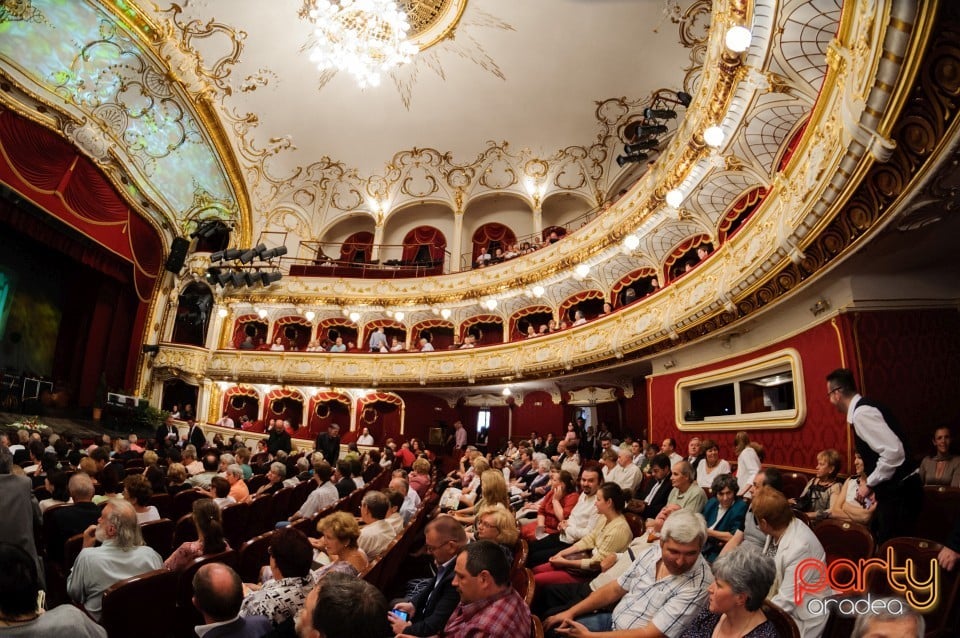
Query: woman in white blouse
[711, 466]
[748, 461]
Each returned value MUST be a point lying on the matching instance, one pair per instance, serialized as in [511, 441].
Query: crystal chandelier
[363, 37]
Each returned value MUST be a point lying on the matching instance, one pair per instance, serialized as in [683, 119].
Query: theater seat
[536, 627]
[941, 507]
[235, 519]
[184, 531]
[522, 581]
[844, 539]
[793, 483]
[252, 556]
[786, 627]
[158, 535]
[187, 615]
[142, 606]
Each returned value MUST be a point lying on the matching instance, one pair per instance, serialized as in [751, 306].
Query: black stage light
[273, 252]
[217, 256]
[247, 256]
[642, 145]
[148, 349]
[650, 130]
[659, 114]
[268, 278]
[684, 98]
[627, 159]
[224, 278]
[252, 278]
[212, 276]
[232, 254]
[237, 279]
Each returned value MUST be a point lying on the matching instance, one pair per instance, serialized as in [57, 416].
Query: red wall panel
[531, 417]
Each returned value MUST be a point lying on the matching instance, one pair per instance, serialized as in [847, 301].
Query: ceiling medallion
[432, 20]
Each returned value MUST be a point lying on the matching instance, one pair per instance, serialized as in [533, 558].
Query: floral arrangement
[31, 424]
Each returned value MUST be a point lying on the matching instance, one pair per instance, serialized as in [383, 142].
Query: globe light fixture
[738, 39]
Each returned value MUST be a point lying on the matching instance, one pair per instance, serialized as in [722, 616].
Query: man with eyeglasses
[892, 475]
[431, 606]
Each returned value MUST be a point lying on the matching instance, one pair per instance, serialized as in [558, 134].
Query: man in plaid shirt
[489, 605]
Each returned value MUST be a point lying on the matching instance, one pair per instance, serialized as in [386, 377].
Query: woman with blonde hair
[814, 501]
[206, 518]
[497, 524]
[749, 456]
[494, 492]
[340, 535]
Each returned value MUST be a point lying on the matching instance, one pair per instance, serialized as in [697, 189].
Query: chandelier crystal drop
[363, 37]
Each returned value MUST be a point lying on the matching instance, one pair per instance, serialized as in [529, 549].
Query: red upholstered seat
[142, 606]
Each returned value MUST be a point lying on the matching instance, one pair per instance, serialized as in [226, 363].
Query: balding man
[411, 500]
[430, 608]
[625, 473]
[68, 520]
[121, 556]
[217, 594]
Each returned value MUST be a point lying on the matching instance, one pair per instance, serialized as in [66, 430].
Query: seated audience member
[217, 595]
[121, 555]
[949, 556]
[662, 591]
[243, 455]
[275, 476]
[489, 605]
[583, 518]
[625, 473]
[751, 534]
[56, 484]
[156, 478]
[686, 494]
[210, 540]
[907, 624]
[554, 508]
[724, 513]
[345, 484]
[814, 501]
[847, 505]
[430, 607]
[284, 593]
[220, 492]
[137, 491]
[394, 517]
[494, 492]
[742, 579]
[190, 462]
[111, 481]
[419, 477]
[68, 521]
[658, 491]
[177, 479]
[943, 468]
[377, 533]
[20, 614]
[411, 500]
[343, 606]
[365, 437]
[497, 524]
[711, 465]
[323, 496]
[425, 345]
[795, 542]
[610, 535]
[238, 488]
[211, 466]
[339, 535]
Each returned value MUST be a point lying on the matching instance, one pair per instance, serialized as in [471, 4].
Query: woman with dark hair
[610, 535]
[156, 479]
[371, 466]
[111, 479]
[206, 518]
[136, 490]
[20, 615]
[711, 465]
[725, 514]
[283, 595]
[742, 579]
[56, 484]
[554, 508]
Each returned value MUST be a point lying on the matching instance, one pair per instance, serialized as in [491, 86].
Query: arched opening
[294, 332]
[330, 329]
[490, 240]
[392, 329]
[437, 331]
[485, 329]
[566, 211]
[285, 405]
[738, 214]
[382, 413]
[687, 256]
[326, 409]
[536, 317]
[426, 248]
[249, 333]
[357, 248]
[242, 405]
[193, 315]
[585, 300]
[633, 286]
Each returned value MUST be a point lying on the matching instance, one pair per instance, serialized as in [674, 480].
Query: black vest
[870, 457]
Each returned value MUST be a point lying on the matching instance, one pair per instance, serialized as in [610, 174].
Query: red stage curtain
[491, 328]
[338, 406]
[361, 242]
[488, 233]
[424, 235]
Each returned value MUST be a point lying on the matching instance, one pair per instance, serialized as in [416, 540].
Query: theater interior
[588, 209]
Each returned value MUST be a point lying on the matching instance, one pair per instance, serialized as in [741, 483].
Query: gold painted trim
[738, 372]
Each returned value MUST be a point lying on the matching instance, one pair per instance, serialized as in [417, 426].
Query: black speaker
[178, 254]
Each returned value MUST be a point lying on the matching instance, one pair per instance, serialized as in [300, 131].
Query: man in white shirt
[581, 521]
[365, 437]
[376, 533]
[323, 496]
[225, 421]
[411, 500]
[625, 473]
[669, 448]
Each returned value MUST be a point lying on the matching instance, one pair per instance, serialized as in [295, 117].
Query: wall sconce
[670, 363]
[820, 307]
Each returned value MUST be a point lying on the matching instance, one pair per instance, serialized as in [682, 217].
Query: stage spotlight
[224, 278]
[252, 278]
[147, 349]
[684, 98]
[212, 276]
[237, 278]
[232, 254]
[268, 278]
[217, 256]
[279, 251]
[247, 256]
[651, 130]
[642, 145]
[659, 114]
[633, 157]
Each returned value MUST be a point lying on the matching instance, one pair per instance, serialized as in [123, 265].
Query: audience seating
[520, 552]
[183, 503]
[522, 581]
[158, 535]
[47, 525]
[235, 519]
[164, 505]
[253, 555]
[786, 627]
[187, 615]
[256, 482]
[280, 504]
[300, 494]
[536, 627]
[258, 516]
[70, 551]
[637, 526]
[941, 508]
[922, 552]
[844, 539]
[144, 605]
[306, 525]
[793, 483]
[184, 531]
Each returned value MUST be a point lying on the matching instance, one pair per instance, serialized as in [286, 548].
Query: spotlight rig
[644, 134]
[245, 271]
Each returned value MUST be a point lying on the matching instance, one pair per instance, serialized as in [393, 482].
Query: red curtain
[358, 247]
[284, 404]
[441, 333]
[301, 328]
[570, 302]
[391, 328]
[248, 403]
[490, 327]
[335, 406]
[559, 230]
[420, 236]
[489, 233]
[344, 327]
[382, 412]
[673, 267]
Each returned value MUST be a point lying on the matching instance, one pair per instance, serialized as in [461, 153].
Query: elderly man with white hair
[625, 473]
[121, 555]
[662, 592]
